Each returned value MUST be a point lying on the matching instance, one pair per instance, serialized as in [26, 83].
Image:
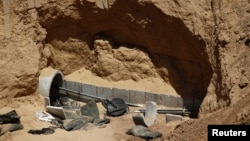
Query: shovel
[149, 116]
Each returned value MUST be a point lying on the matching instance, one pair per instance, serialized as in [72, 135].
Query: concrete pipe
[49, 80]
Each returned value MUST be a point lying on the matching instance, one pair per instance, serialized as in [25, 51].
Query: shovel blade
[148, 118]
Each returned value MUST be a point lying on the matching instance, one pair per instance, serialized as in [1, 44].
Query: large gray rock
[82, 122]
[143, 132]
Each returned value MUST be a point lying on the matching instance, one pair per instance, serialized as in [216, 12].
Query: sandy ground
[156, 84]
[27, 107]
[193, 129]
[30, 121]
[187, 129]
[114, 131]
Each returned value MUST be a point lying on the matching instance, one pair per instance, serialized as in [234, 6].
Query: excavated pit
[82, 35]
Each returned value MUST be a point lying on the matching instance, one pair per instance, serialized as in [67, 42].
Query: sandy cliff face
[230, 49]
[200, 48]
[20, 53]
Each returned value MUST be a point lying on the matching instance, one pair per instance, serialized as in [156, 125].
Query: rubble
[12, 120]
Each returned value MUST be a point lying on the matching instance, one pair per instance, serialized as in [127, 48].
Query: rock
[80, 122]
[171, 117]
[143, 132]
[243, 82]
[44, 131]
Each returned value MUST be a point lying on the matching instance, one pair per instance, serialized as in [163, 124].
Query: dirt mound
[237, 114]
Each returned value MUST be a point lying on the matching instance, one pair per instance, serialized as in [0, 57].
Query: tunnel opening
[54, 91]
[173, 52]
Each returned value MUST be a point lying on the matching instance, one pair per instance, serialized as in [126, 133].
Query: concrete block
[179, 102]
[64, 86]
[121, 93]
[73, 86]
[153, 97]
[89, 90]
[137, 97]
[172, 117]
[171, 101]
[104, 92]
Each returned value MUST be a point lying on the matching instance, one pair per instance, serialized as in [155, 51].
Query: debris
[51, 88]
[44, 131]
[56, 111]
[143, 132]
[66, 103]
[150, 115]
[172, 111]
[10, 117]
[87, 117]
[58, 123]
[172, 117]
[44, 116]
[101, 122]
[79, 123]
[115, 107]
[90, 109]
[15, 127]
